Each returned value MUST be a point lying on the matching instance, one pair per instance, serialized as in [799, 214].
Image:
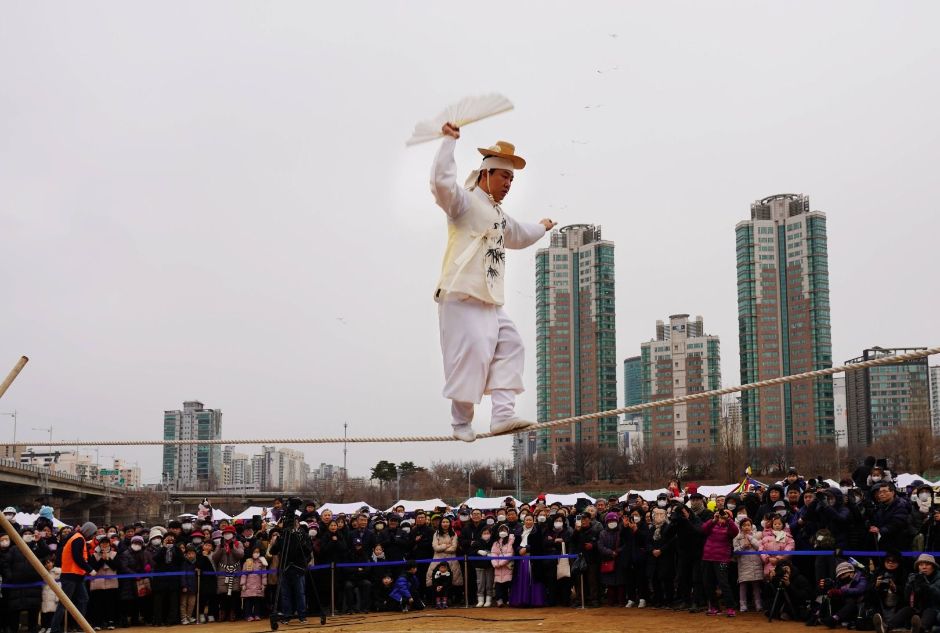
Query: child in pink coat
[503, 568]
[776, 538]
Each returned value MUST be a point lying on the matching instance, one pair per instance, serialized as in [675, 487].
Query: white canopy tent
[648, 495]
[347, 508]
[27, 519]
[250, 511]
[411, 506]
[218, 515]
[720, 490]
[565, 500]
[488, 503]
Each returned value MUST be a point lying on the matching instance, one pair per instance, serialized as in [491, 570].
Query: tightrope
[875, 362]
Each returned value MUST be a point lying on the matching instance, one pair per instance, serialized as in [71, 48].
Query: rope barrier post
[333, 589]
[12, 376]
[581, 577]
[44, 573]
[466, 584]
[198, 602]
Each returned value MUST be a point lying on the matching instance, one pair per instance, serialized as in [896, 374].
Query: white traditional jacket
[478, 234]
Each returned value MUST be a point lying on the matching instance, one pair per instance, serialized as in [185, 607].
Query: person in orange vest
[74, 569]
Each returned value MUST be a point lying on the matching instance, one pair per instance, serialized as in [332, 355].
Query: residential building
[882, 399]
[576, 338]
[784, 329]
[935, 399]
[681, 360]
[192, 466]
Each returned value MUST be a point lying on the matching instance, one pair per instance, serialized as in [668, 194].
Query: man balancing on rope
[483, 352]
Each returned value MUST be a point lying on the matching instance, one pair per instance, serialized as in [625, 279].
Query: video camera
[289, 518]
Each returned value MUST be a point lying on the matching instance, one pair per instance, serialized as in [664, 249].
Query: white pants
[483, 355]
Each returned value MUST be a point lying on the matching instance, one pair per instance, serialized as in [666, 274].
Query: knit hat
[9, 510]
[88, 530]
[137, 539]
[926, 558]
[611, 516]
[217, 534]
[692, 489]
[844, 568]
[228, 529]
[155, 532]
[46, 512]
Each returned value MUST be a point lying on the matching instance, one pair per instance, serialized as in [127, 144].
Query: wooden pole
[44, 573]
[12, 376]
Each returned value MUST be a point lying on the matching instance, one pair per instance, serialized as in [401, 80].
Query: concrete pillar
[86, 514]
[107, 516]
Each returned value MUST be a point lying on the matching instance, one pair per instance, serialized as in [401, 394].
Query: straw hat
[504, 149]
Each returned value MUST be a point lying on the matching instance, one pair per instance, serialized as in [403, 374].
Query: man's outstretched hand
[450, 129]
[548, 224]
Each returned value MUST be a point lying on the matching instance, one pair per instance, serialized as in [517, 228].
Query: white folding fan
[467, 110]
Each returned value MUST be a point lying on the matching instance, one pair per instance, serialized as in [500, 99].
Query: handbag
[564, 565]
[143, 587]
[607, 566]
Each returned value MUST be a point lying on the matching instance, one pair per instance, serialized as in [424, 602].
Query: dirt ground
[460, 620]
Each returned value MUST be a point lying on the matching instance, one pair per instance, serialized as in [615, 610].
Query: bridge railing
[43, 470]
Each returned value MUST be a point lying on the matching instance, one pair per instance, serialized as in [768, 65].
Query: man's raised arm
[448, 194]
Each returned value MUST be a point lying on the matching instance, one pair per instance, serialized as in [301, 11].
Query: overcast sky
[214, 200]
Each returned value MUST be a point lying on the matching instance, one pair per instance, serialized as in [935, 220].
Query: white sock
[504, 404]
[461, 412]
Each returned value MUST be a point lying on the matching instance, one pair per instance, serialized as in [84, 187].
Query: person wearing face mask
[17, 569]
[444, 543]
[502, 569]
[774, 494]
[397, 542]
[775, 538]
[635, 539]
[166, 598]
[483, 568]
[921, 500]
[584, 542]
[610, 545]
[556, 540]
[661, 562]
[253, 583]
[690, 542]
[526, 590]
[132, 560]
[228, 558]
[104, 591]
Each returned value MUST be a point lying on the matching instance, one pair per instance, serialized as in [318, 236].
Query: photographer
[791, 592]
[923, 596]
[293, 549]
[840, 597]
[886, 594]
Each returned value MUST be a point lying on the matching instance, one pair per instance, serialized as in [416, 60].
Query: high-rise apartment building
[632, 381]
[192, 465]
[576, 337]
[783, 321]
[681, 360]
[882, 399]
[935, 399]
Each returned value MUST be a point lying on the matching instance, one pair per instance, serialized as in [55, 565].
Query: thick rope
[875, 362]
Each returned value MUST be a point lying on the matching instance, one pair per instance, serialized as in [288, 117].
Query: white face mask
[559, 525]
[490, 521]
[136, 547]
[503, 534]
[197, 540]
[577, 522]
[662, 503]
[876, 478]
[156, 542]
[542, 519]
[924, 496]
[612, 524]
[217, 541]
[379, 527]
[406, 529]
[312, 533]
[187, 526]
[228, 537]
[500, 517]
[28, 538]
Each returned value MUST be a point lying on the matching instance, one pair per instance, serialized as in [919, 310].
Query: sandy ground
[459, 620]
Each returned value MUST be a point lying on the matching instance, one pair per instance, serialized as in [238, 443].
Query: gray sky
[214, 200]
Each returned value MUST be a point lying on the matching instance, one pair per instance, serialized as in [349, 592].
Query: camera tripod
[290, 534]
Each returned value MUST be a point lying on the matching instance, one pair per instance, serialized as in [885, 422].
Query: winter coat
[104, 565]
[750, 566]
[228, 561]
[445, 546]
[855, 588]
[503, 567]
[49, 600]
[769, 543]
[188, 579]
[422, 547]
[923, 594]
[834, 518]
[405, 588]
[894, 526]
[478, 545]
[718, 540]
[252, 585]
[130, 562]
[165, 560]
